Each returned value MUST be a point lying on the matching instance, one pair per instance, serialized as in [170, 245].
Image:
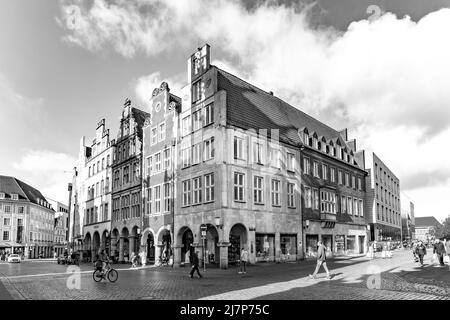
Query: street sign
[203, 227]
[203, 233]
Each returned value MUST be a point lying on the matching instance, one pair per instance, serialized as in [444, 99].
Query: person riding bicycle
[98, 263]
[105, 259]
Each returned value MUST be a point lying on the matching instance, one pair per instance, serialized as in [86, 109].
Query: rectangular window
[353, 182]
[21, 209]
[209, 115]
[257, 153]
[306, 166]
[276, 192]
[154, 136]
[186, 157]
[162, 132]
[291, 195]
[316, 169]
[307, 197]
[157, 199]
[167, 198]
[359, 184]
[355, 207]
[238, 148]
[275, 157]
[5, 235]
[349, 206]
[186, 125]
[6, 221]
[197, 190]
[186, 193]
[360, 208]
[196, 91]
[196, 153]
[315, 199]
[209, 187]
[343, 204]
[290, 162]
[347, 180]
[209, 149]
[167, 159]
[328, 202]
[324, 172]
[333, 175]
[149, 200]
[340, 177]
[258, 186]
[239, 186]
[158, 162]
[197, 119]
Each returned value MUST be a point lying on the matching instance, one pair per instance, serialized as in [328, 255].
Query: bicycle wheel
[113, 275]
[97, 275]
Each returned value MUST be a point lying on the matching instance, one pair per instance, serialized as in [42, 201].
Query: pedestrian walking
[421, 251]
[414, 246]
[439, 250]
[321, 260]
[370, 251]
[447, 250]
[195, 265]
[244, 260]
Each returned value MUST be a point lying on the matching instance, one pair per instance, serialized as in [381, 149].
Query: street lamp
[217, 221]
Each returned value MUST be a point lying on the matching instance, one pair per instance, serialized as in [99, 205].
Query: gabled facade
[159, 162]
[97, 188]
[126, 223]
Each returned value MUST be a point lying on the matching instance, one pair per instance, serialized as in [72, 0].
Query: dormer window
[15, 196]
[2, 195]
[327, 149]
[310, 141]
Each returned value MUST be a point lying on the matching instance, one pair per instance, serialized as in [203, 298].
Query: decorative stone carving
[155, 92]
[147, 122]
[164, 86]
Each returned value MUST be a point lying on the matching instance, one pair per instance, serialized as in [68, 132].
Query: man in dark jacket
[195, 264]
[421, 251]
[439, 250]
[321, 260]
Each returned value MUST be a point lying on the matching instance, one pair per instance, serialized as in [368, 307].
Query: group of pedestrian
[195, 263]
[441, 252]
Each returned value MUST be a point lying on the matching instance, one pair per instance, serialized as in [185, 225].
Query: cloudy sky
[379, 68]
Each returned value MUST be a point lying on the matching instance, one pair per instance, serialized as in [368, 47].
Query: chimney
[271, 93]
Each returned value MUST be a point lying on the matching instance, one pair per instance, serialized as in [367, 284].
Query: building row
[30, 224]
[227, 166]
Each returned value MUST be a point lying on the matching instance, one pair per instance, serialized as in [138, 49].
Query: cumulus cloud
[48, 171]
[384, 79]
[145, 85]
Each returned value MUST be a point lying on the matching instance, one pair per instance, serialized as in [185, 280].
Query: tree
[443, 230]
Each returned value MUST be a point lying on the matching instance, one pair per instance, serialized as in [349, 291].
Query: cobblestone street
[353, 278]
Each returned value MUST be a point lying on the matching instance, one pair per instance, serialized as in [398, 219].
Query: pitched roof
[251, 107]
[139, 116]
[11, 185]
[426, 222]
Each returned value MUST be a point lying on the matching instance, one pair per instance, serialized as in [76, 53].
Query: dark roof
[139, 116]
[11, 185]
[251, 107]
[426, 222]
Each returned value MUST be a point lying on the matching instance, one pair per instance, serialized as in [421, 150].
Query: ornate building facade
[126, 222]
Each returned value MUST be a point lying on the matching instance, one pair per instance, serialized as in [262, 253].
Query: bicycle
[110, 273]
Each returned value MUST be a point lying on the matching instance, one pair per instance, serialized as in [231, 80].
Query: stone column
[277, 247]
[177, 255]
[121, 249]
[131, 241]
[252, 247]
[158, 253]
[223, 255]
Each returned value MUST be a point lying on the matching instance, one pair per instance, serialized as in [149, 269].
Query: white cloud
[45, 170]
[145, 85]
[386, 80]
